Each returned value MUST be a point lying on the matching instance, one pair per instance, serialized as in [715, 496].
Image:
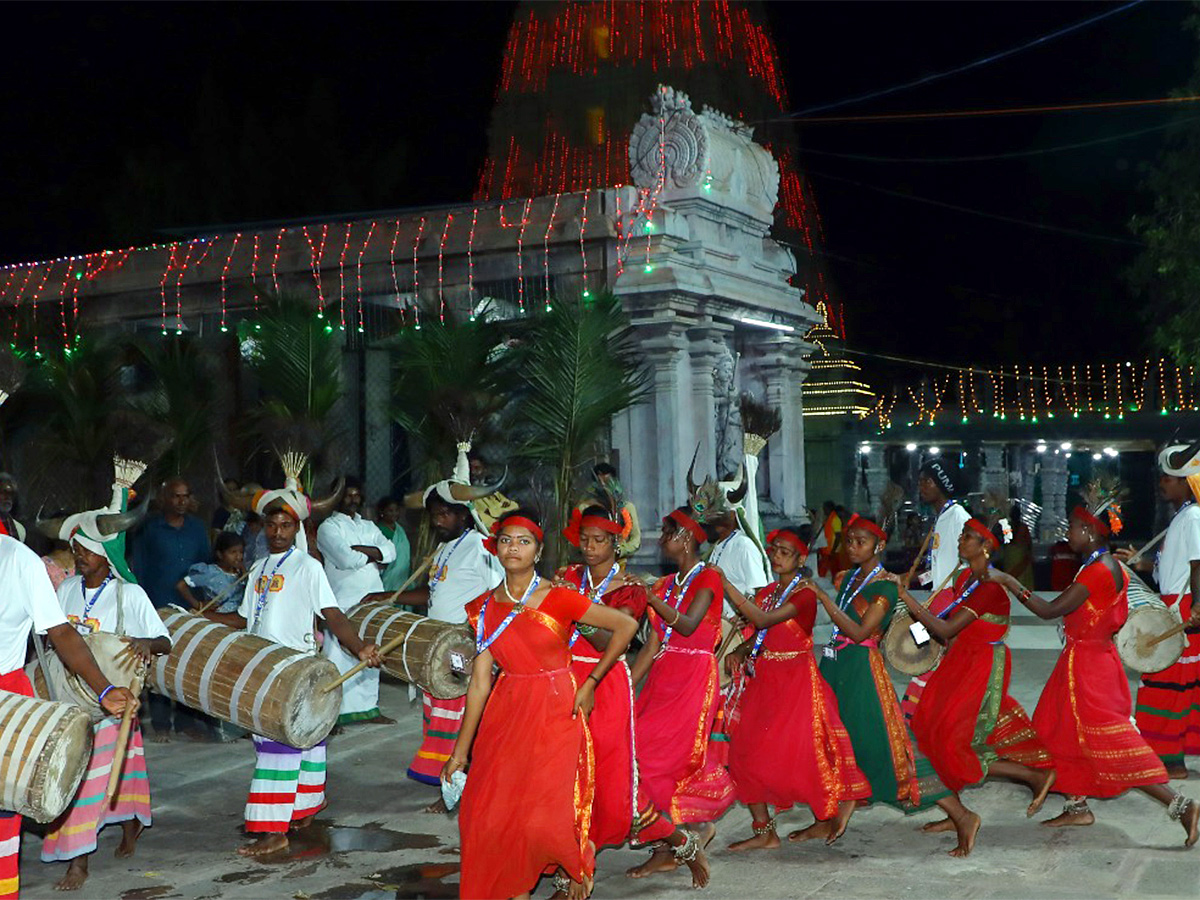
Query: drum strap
[404, 648]
[39, 646]
[120, 607]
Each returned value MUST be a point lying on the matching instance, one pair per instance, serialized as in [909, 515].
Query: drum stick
[917, 561]
[118, 760]
[1147, 643]
[223, 596]
[420, 570]
[1154, 540]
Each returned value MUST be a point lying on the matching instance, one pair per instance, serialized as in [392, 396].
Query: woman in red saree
[790, 745]
[967, 724]
[527, 802]
[1083, 713]
[680, 780]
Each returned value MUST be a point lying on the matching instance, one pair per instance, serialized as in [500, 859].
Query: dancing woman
[790, 745]
[966, 724]
[528, 800]
[853, 666]
[1083, 714]
[680, 781]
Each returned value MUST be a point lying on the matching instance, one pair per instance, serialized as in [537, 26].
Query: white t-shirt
[28, 602]
[944, 546]
[298, 590]
[740, 560]
[462, 569]
[141, 621]
[1173, 572]
[351, 574]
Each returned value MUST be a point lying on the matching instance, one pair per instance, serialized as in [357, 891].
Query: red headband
[787, 537]
[1082, 514]
[984, 532]
[857, 521]
[579, 521]
[500, 524]
[686, 521]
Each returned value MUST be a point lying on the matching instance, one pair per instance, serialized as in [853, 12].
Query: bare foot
[706, 834]
[1190, 820]
[768, 841]
[380, 719]
[699, 868]
[966, 835]
[1064, 819]
[438, 806]
[130, 832]
[946, 824]
[841, 820]
[1039, 795]
[661, 860]
[77, 873]
[580, 890]
[265, 845]
[817, 830]
[1177, 772]
[299, 824]
[160, 737]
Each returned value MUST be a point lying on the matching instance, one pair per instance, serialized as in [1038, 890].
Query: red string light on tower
[416, 282]
[441, 257]
[471, 263]
[361, 251]
[582, 250]
[224, 275]
[546, 249]
[523, 224]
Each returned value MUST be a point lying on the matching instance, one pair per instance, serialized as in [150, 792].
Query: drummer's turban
[102, 531]
[1190, 466]
[457, 490]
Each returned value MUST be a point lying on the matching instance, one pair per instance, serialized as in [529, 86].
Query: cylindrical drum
[121, 668]
[436, 656]
[1148, 618]
[45, 748]
[266, 688]
[900, 649]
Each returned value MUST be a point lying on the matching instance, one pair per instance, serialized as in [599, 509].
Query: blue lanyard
[715, 556]
[482, 642]
[929, 553]
[959, 600]
[87, 607]
[844, 605]
[261, 599]
[687, 582]
[594, 594]
[761, 634]
[1096, 554]
[444, 558]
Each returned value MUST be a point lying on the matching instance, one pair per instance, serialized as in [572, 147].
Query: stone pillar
[779, 364]
[705, 349]
[1054, 496]
[992, 473]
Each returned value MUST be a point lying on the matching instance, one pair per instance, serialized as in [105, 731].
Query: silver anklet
[1076, 807]
[1177, 807]
[562, 883]
[760, 830]
[686, 852]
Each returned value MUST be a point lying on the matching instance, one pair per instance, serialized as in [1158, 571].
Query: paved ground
[373, 841]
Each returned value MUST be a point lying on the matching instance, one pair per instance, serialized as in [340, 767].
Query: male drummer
[1168, 702]
[30, 604]
[938, 484]
[284, 591]
[461, 570]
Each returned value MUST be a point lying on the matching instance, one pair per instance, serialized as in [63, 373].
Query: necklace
[595, 594]
[261, 600]
[761, 634]
[844, 604]
[483, 640]
[672, 591]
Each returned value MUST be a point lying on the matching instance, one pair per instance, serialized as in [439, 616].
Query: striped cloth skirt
[440, 723]
[74, 832]
[1168, 702]
[288, 785]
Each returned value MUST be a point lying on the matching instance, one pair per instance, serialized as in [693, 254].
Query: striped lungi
[1168, 702]
[15, 682]
[288, 785]
[440, 724]
[74, 832]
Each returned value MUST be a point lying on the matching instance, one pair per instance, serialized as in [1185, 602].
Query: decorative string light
[441, 257]
[546, 249]
[416, 283]
[254, 267]
[274, 260]
[224, 275]
[361, 251]
[583, 265]
[471, 263]
[392, 266]
[342, 277]
[162, 287]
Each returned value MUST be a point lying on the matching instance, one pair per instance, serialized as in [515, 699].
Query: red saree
[790, 745]
[966, 719]
[611, 724]
[675, 713]
[527, 804]
[1083, 713]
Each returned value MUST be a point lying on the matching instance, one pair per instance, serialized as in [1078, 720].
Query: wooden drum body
[1148, 618]
[900, 649]
[266, 688]
[436, 656]
[64, 685]
[45, 749]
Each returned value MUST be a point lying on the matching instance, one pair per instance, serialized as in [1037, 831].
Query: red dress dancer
[790, 745]
[611, 722]
[527, 806]
[676, 708]
[966, 719]
[1083, 714]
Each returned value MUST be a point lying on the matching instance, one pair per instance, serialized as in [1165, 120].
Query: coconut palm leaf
[180, 395]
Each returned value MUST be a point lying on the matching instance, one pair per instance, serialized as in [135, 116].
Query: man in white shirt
[354, 550]
[284, 591]
[30, 604]
[461, 570]
[1168, 702]
[738, 556]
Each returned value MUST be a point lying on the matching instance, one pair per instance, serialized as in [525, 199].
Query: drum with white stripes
[436, 656]
[45, 748]
[1149, 617]
[266, 688]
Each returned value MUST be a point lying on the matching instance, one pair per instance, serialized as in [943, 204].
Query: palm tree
[180, 395]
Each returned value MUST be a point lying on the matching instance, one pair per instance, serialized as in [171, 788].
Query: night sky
[121, 120]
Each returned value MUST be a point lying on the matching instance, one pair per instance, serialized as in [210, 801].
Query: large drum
[266, 688]
[1148, 618]
[435, 656]
[45, 748]
[110, 651]
[900, 649]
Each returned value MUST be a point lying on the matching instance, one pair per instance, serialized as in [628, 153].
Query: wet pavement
[373, 842]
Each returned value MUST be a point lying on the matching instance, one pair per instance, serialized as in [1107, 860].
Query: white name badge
[829, 653]
[458, 662]
[919, 633]
[925, 578]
